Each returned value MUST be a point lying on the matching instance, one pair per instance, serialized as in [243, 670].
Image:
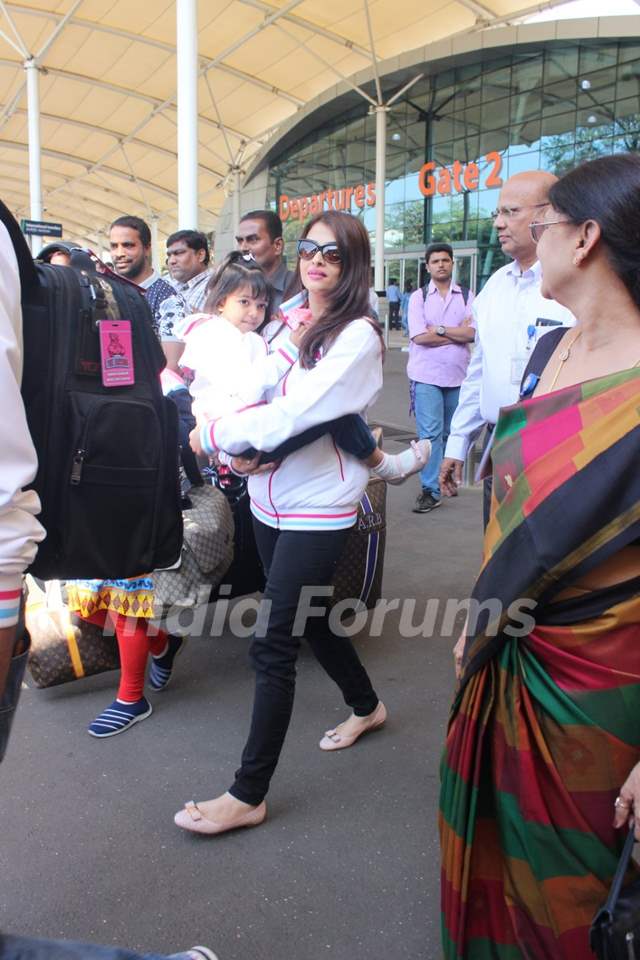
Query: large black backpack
[107, 456]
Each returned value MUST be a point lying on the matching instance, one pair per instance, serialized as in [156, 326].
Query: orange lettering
[283, 207]
[457, 170]
[348, 191]
[494, 179]
[294, 209]
[316, 204]
[359, 196]
[471, 176]
[371, 194]
[444, 181]
[426, 179]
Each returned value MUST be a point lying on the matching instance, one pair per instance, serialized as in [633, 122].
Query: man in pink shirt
[440, 327]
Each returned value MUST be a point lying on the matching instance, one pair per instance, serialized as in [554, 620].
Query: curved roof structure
[108, 90]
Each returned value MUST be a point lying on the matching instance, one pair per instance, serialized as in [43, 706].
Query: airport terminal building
[486, 106]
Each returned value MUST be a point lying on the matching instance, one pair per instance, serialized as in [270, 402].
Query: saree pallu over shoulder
[545, 725]
[566, 496]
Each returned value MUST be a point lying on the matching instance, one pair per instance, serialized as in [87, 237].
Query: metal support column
[237, 197]
[156, 260]
[381, 173]
[35, 175]
[187, 58]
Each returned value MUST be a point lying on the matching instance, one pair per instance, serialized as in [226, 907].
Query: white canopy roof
[108, 90]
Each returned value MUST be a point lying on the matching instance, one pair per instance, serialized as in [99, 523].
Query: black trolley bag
[107, 456]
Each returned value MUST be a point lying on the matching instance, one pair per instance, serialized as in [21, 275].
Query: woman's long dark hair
[236, 273]
[349, 300]
[607, 190]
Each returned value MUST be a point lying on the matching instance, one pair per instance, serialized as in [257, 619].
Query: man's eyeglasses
[507, 213]
[307, 250]
[538, 227]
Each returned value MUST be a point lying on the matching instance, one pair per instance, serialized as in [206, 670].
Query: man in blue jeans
[440, 328]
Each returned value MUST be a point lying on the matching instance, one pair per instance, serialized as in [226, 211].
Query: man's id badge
[116, 353]
[518, 365]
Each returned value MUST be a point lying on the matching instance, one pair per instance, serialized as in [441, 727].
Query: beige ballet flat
[191, 819]
[333, 740]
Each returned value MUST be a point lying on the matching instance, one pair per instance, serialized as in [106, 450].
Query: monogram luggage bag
[63, 646]
[358, 574]
[207, 552]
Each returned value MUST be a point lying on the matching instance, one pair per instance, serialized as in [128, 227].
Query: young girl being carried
[233, 368]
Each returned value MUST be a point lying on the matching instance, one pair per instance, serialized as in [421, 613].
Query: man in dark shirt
[130, 242]
[260, 234]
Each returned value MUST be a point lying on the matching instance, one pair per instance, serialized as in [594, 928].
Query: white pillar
[156, 260]
[237, 196]
[381, 172]
[187, 58]
[35, 177]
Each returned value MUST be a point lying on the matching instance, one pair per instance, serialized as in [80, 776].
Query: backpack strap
[26, 266]
[538, 360]
[463, 290]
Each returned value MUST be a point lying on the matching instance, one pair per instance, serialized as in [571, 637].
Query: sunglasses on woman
[307, 250]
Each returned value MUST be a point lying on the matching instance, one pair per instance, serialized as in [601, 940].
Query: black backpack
[107, 456]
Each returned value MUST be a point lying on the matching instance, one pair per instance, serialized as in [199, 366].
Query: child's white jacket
[319, 486]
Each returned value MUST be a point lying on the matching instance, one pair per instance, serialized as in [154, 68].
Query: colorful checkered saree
[545, 728]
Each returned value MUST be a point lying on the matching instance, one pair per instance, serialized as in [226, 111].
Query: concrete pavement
[346, 867]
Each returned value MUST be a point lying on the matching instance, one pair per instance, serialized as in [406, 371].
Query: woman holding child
[305, 504]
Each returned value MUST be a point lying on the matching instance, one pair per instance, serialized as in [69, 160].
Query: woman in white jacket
[303, 508]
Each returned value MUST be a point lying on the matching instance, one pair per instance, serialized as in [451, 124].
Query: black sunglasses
[307, 250]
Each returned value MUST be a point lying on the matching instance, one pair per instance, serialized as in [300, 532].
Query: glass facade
[545, 108]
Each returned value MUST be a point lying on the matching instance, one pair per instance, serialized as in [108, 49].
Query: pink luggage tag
[116, 353]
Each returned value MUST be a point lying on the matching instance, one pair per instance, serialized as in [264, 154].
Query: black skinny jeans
[292, 560]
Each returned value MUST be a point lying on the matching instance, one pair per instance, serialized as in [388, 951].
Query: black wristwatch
[441, 331]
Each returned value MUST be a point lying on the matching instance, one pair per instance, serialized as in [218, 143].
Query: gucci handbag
[615, 931]
[63, 646]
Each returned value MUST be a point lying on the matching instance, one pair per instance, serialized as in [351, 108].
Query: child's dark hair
[235, 273]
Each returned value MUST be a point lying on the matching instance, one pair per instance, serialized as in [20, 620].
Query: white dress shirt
[506, 311]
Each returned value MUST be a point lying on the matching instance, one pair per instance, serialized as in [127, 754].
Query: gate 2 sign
[460, 177]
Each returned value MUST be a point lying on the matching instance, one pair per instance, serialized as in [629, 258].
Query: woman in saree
[540, 770]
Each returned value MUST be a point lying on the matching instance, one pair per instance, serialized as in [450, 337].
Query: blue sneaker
[118, 717]
[162, 667]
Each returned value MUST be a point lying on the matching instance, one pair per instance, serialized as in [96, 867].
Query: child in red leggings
[101, 603]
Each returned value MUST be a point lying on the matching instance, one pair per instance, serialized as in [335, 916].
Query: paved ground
[345, 867]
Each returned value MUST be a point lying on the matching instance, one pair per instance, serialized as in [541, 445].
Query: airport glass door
[411, 267]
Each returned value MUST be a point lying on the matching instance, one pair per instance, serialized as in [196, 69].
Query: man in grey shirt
[260, 234]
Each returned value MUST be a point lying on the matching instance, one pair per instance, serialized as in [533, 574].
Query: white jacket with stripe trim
[319, 486]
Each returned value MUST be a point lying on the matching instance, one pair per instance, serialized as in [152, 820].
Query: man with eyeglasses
[510, 314]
